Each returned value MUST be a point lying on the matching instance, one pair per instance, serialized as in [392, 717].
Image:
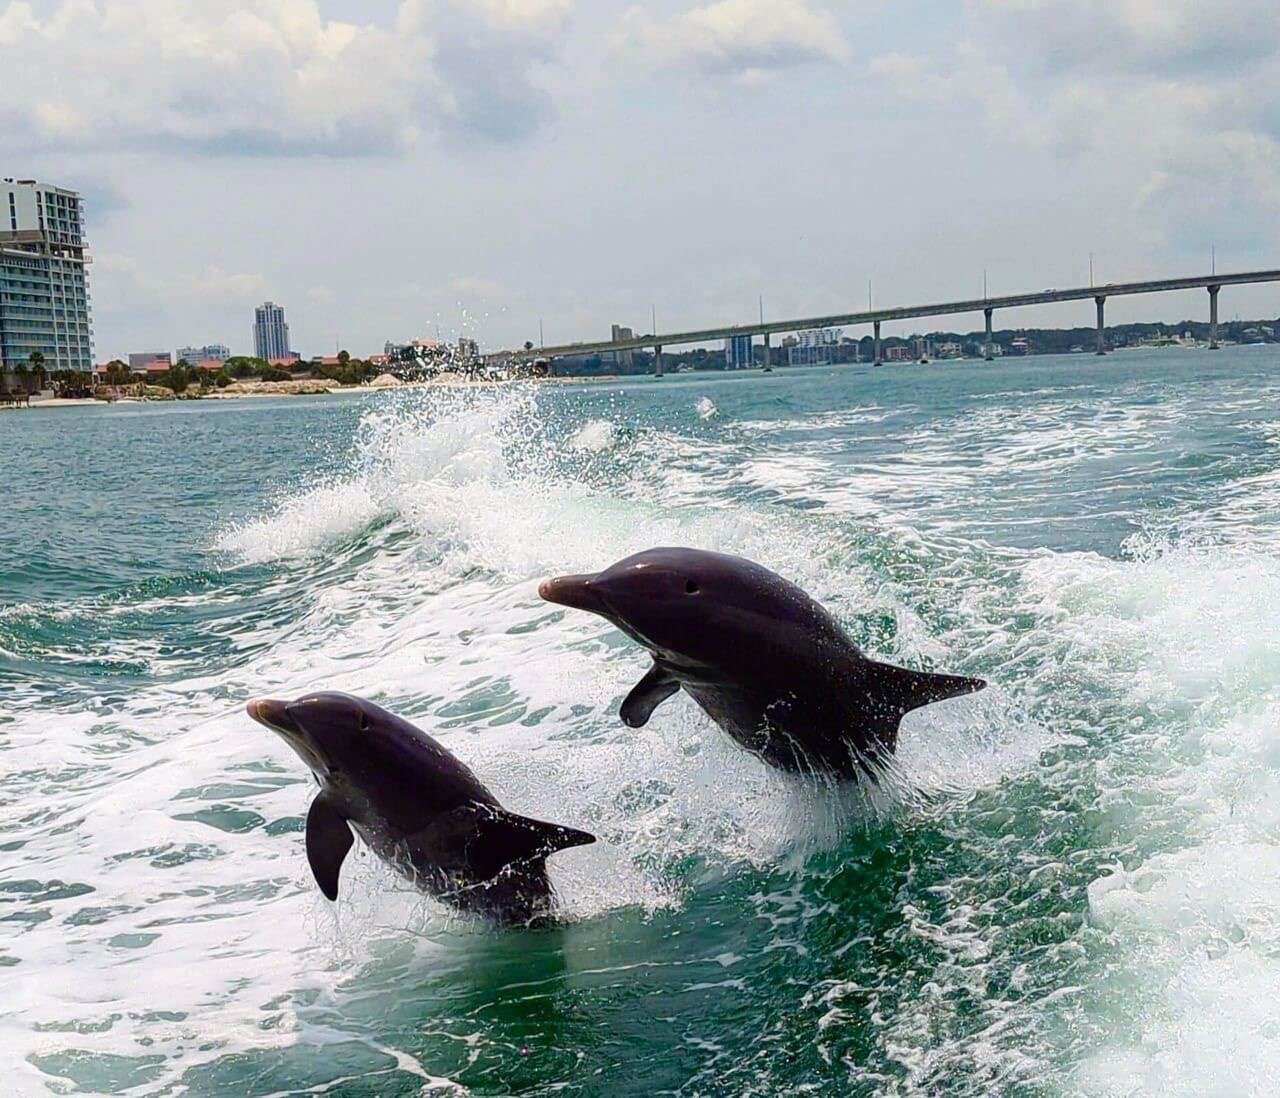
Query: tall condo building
[737, 353]
[44, 293]
[270, 332]
[623, 360]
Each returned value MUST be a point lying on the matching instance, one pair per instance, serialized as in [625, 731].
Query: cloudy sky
[385, 168]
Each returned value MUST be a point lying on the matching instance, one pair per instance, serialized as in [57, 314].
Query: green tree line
[182, 376]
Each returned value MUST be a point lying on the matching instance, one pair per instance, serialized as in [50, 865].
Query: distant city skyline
[580, 164]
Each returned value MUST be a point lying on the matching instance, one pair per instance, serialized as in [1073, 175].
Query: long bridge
[875, 317]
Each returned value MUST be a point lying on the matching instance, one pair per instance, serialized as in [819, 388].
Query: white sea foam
[595, 436]
[473, 501]
[304, 524]
[1187, 632]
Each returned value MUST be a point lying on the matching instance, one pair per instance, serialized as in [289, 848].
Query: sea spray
[1067, 888]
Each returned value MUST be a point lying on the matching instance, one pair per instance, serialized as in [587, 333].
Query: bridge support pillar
[657, 361]
[1102, 325]
[768, 352]
[987, 351]
[1213, 317]
[878, 358]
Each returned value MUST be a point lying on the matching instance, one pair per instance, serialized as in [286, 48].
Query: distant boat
[923, 360]
[766, 369]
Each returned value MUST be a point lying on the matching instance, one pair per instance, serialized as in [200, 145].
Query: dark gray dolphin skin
[417, 807]
[768, 664]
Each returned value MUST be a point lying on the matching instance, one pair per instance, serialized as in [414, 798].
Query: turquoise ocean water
[1081, 894]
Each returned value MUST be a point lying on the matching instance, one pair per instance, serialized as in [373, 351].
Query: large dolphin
[767, 663]
[417, 807]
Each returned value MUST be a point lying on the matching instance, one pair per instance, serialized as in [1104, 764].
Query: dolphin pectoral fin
[649, 693]
[489, 838]
[905, 690]
[329, 839]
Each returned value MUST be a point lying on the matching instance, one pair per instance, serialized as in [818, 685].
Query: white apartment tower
[44, 294]
[270, 332]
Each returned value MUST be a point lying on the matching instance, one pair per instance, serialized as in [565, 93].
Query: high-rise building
[737, 353]
[44, 294]
[623, 360]
[210, 352]
[270, 332]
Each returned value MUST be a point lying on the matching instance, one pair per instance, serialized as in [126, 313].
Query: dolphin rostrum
[417, 807]
[768, 664]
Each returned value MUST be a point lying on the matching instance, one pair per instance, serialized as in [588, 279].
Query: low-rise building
[814, 347]
[150, 362]
[210, 352]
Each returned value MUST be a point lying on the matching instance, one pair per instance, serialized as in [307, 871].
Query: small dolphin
[767, 663]
[417, 807]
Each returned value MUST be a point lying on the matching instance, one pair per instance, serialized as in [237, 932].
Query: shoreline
[249, 390]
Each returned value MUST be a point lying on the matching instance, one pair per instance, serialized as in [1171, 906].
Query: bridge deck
[845, 320]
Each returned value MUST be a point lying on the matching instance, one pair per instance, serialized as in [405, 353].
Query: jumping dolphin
[767, 663]
[417, 807]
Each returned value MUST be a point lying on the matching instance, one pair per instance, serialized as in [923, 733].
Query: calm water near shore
[1082, 898]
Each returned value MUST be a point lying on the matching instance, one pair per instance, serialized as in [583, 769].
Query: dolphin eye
[363, 722]
[691, 587]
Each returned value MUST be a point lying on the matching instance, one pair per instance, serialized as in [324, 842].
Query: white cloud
[738, 37]
[477, 286]
[523, 15]
[1166, 37]
[1225, 190]
[212, 284]
[261, 76]
[1179, 104]
[217, 284]
[487, 60]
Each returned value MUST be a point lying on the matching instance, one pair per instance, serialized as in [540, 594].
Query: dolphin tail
[491, 838]
[904, 690]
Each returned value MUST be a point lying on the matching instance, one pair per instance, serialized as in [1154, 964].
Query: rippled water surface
[1081, 897]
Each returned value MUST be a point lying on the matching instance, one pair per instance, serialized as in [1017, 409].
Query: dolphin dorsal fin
[901, 689]
[329, 839]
